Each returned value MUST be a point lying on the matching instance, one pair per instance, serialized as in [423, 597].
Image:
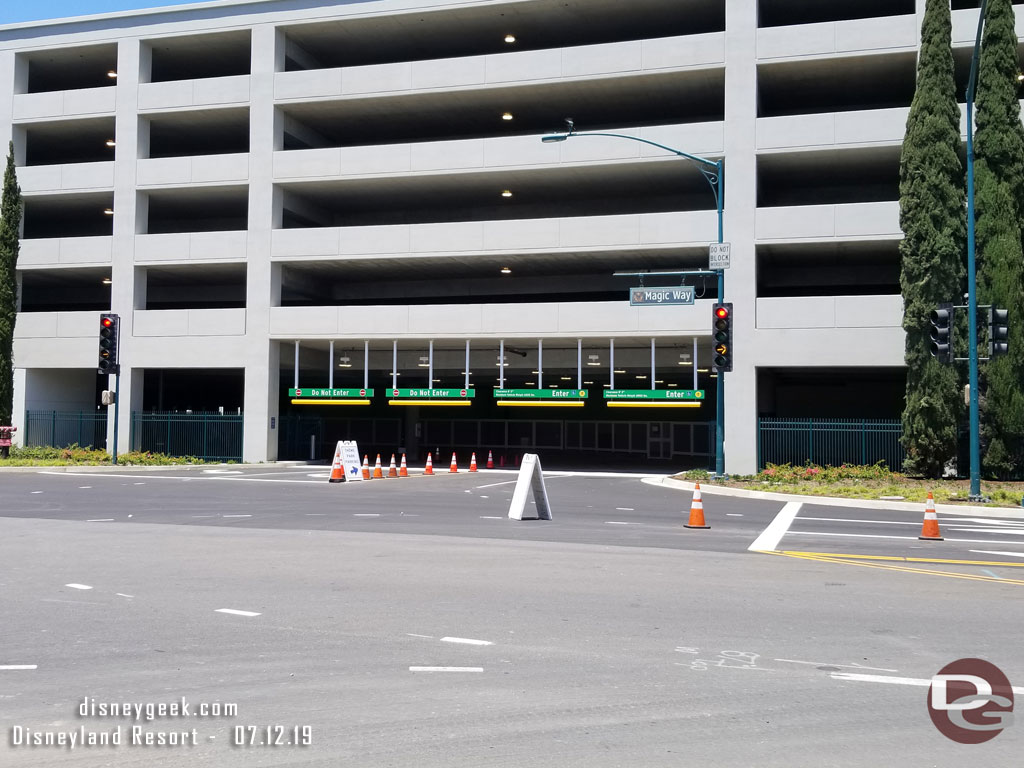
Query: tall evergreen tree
[10, 227]
[932, 217]
[999, 206]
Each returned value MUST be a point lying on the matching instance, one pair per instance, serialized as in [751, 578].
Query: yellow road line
[825, 558]
[904, 559]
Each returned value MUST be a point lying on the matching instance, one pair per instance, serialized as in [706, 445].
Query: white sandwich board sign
[350, 460]
[530, 478]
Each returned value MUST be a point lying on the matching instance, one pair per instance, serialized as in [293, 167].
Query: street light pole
[713, 172]
[972, 296]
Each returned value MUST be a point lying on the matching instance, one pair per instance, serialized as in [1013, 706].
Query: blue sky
[14, 11]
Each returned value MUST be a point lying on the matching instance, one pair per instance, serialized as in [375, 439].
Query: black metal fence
[829, 442]
[59, 429]
[207, 436]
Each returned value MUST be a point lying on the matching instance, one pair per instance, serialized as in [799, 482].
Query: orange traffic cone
[472, 462]
[429, 470]
[490, 460]
[366, 467]
[696, 511]
[930, 528]
[393, 469]
[337, 470]
[403, 471]
[378, 470]
[455, 465]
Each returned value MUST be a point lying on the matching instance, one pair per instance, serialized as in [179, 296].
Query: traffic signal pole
[117, 407]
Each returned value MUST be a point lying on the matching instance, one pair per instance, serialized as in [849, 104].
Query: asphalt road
[593, 643]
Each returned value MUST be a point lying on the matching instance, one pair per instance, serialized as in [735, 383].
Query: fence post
[810, 433]
[206, 421]
[53, 429]
[863, 442]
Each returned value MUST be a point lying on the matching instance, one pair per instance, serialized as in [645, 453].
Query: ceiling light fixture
[510, 38]
[424, 362]
[107, 281]
[344, 361]
[108, 211]
[111, 143]
[506, 116]
[506, 193]
[506, 270]
[112, 74]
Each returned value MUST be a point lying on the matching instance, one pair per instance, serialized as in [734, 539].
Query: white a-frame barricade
[530, 478]
[350, 460]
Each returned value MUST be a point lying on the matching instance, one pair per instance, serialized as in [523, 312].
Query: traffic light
[998, 332]
[942, 333]
[108, 344]
[721, 324]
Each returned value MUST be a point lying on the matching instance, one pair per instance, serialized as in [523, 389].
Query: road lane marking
[614, 522]
[777, 528]
[982, 520]
[366, 514]
[829, 664]
[196, 516]
[413, 634]
[923, 682]
[210, 478]
[733, 514]
[495, 485]
[446, 669]
[909, 538]
[316, 514]
[78, 586]
[849, 520]
[920, 571]
[234, 612]
[101, 520]
[122, 594]
[34, 492]
[1006, 531]
[625, 509]
[465, 641]
[84, 487]
[902, 559]
[996, 552]
[484, 497]
[236, 515]
[138, 483]
[491, 517]
[19, 666]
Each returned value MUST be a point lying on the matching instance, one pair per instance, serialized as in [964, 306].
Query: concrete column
[126, 213]
[19, 406]
[262, 356]
[740, 211]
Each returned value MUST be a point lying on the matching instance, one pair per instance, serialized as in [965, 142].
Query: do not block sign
[531, 478]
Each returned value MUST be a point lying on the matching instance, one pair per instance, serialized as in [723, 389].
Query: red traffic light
[721, 312]
[106, 322]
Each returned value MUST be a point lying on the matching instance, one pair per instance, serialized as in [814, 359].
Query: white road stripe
[923, 682]
[982, 521]
[78, 586]
[848, 520]
[495, 485]
[365, 514]
[624, 509]
[101, 520]
[19, 666]
[465, 641]
[236, 515]
[203, 515]
[827, 664]
[233, 612]
[84, 487]
[446, 669]
[733, 514]
[138, 483]
[991, 552]
[614, 522]
[210, 478]
[1006, 531]
[908, 538]
[122, 594]
[413, 634]
[316, 514]
[770, 537]
[491, 517]
[34, 492]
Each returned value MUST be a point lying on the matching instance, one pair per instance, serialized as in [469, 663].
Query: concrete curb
[93, 468]
[831, 501]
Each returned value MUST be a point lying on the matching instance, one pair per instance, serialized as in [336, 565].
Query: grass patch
[861, 482]
[75, 455]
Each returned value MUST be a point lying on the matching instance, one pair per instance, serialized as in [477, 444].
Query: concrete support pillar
[262, 355]
[740, 211]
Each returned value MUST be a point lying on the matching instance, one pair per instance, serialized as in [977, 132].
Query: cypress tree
[10, 228]
[999, 205]
[932, 217]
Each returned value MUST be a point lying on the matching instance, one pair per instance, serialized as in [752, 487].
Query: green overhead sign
[437, 394]
[654, 394]
[330, 393]
[540, 394]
